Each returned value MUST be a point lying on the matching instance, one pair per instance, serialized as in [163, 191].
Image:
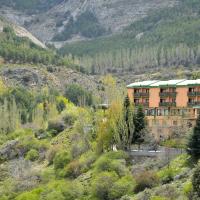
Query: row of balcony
[165, 94]
[196, 103]
[193, 94]
[162, 94]
[168, 104]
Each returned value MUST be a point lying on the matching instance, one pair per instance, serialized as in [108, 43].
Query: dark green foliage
[16, 49]
[196, 181]
[125, 126]
[86, 24]
[140, 125]
[24, 100]
[55, 127]
[61, 106]
[76, 94]
[194, 142]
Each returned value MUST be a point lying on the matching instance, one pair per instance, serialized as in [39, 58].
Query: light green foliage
[112, 161]
[32, 155]
[176, 167]
[188, 188]
[60, 161]
[121, 187]
[158, 198]
[103, 183]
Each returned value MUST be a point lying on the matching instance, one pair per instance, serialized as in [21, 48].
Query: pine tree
[194, 142]
[140, 125]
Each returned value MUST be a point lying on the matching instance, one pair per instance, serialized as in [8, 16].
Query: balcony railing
[192, 94]
[141, 94]
[168, 94]
[194, 103]
[142, 104]
[167, 104]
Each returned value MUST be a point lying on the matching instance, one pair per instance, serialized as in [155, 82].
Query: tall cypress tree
[194, 142]
[125, 126]
[140, 125]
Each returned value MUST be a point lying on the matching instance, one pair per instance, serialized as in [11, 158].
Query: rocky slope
[21, 32]
[113, 15]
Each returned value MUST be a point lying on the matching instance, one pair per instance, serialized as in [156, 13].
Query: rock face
[114, 15]
[55, 77]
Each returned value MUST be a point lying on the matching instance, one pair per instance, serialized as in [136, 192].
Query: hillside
[20, 32]
[52, 20]
[167, 37]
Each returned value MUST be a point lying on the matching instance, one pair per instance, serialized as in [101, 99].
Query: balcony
[192, 94]
[168, 94]
[142, 104]
[167, 104]
[141, 94]
[191, 104]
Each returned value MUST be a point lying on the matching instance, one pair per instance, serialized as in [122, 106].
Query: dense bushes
[78, 95]
[146, 179]
[32, 155]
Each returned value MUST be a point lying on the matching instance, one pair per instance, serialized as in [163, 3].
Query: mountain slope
[168, 37]
[20, 31]
[112, 15]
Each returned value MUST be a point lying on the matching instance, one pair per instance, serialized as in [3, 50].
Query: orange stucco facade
[168, 108]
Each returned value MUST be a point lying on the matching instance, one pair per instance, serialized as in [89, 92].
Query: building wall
[154, 97]
[182, 97]
[130, 94]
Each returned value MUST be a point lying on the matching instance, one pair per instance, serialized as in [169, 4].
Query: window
[166, 112]
[146, 100]
[162, 100]
[162, 90]
[191, 89]
[159, 112]
[136, 100]
[173, 100]
[136, 91]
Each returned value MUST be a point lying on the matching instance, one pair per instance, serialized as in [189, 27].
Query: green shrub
[104, 163]
[103, 183]
[60, 161]
[69, 119]
[32, 155]
[31, 195]
[122, 187]
[145, 179]
[166, 175]
[188, 189]
[196, 181]
[79, 96]
[73, 169]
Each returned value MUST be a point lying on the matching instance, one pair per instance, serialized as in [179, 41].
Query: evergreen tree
[194, 142]
[140, 125]
[125, 126]
[196, 181]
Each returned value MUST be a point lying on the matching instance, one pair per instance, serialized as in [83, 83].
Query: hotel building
[169, 105]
